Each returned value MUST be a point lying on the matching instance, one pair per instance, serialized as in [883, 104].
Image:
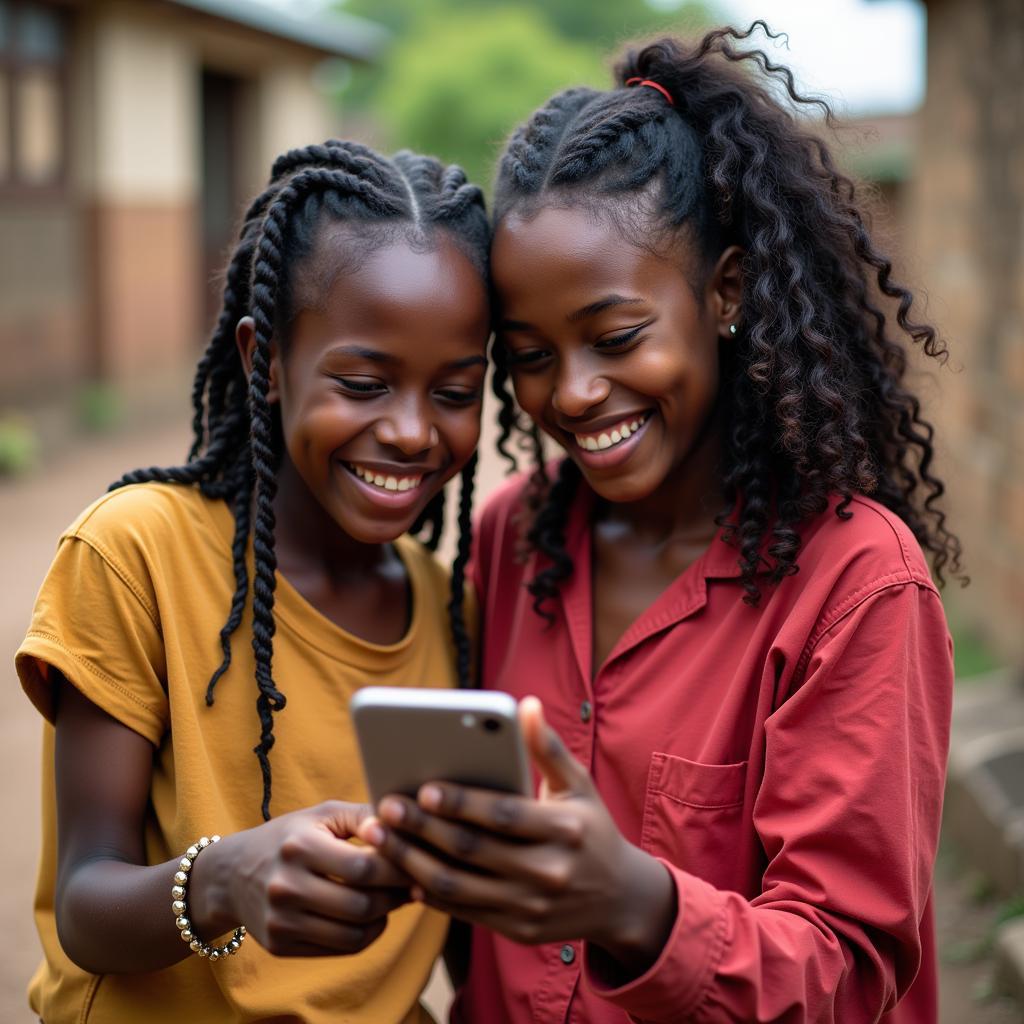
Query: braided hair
[237, 444]
[812, 386]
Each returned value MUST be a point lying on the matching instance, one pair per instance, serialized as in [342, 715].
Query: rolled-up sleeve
[848, 815]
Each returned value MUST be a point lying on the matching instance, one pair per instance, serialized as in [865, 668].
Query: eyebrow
[376, 356]
[360, 352]
[462, 364]
[592, 309]
[601, 305]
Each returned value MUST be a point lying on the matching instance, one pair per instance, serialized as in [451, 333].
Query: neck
[686, 503]
[307, 538]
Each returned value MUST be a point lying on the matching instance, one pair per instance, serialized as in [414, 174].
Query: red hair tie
[653, 85]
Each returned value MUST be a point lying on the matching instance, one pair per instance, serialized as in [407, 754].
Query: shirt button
[586, 711]
[567, 953]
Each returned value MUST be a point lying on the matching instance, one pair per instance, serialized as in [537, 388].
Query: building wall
[40, 313]
[106, 277]
[142, 190]
[967, 231]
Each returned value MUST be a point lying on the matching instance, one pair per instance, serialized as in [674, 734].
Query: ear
[245, 339]
[726, 290]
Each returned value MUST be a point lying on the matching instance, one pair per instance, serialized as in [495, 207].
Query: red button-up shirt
[785, 762]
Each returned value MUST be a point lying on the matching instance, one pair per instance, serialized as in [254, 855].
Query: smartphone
[409, 736]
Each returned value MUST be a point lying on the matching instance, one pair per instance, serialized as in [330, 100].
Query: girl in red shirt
[719, 594]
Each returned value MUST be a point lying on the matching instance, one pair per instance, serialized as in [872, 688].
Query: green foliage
[603, 24]
[462, 73]
[458, 94]
[972, 655]
[19, 445]
[100, 407]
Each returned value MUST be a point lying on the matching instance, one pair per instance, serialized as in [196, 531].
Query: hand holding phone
[551, 869]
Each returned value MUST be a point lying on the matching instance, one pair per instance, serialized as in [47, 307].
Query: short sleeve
[99, 627]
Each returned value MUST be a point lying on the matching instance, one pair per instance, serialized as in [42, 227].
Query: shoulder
[144, 516]
[868, 541]
[848, 565]
[151, 532]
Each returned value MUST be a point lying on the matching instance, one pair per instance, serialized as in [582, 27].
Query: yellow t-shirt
[130, 613]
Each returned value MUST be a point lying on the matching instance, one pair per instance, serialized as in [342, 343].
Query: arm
[299, 887]
[848, 814]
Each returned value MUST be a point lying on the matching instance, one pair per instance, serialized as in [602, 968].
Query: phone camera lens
[492, 724]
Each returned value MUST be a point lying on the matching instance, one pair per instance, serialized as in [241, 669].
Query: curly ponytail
[813, 391]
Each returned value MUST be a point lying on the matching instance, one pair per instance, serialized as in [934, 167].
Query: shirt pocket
[694, 818]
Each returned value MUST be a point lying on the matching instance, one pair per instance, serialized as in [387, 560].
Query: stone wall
[966, 234]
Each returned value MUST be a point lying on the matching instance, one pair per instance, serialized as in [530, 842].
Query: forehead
[560, 253]
[396, 291]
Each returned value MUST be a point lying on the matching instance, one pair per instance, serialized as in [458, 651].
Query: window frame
[14, 66]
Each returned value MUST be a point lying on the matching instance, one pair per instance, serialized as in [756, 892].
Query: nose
[407, 427]
[578, 389]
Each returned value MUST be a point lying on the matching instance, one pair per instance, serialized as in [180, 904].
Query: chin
[620, 489]
[370, 531]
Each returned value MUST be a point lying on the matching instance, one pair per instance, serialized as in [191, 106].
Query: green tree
[462, 73]
[457, 90]
[604, 24]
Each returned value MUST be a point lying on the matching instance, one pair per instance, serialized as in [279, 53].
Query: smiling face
[612, 351]
[380, 386]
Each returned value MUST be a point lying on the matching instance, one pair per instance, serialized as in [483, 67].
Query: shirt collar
[685, 596]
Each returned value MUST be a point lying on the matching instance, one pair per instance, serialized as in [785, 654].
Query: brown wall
[147, 306]
[967, 230]
[40, 309]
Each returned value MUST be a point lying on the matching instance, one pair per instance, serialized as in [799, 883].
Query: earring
[732, 329]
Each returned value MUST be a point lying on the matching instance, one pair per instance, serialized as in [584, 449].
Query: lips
[388, 488]
[601, 440]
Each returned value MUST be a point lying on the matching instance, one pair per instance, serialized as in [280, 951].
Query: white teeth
[609, 439]
[387, 483]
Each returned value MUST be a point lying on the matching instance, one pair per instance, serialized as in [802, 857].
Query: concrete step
[984, 808]
[1010, 959]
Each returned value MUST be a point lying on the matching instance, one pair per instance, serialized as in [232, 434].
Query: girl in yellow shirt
[339, 393]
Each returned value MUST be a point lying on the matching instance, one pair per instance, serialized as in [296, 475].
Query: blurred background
[133, 131]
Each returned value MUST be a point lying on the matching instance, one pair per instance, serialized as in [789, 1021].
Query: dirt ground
[34, 510]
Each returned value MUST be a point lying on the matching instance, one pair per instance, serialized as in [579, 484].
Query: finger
[324, 898]
[440, 880]
[464, 843]
[312, 935]
[561, 772]
[505, 814]
[520, 926]
[343, 818]
[354, 865]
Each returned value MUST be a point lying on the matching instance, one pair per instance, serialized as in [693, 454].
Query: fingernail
[392, 811]
[372, 833]
[430, 797]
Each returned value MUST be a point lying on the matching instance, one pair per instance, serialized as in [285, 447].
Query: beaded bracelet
[179, 905]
